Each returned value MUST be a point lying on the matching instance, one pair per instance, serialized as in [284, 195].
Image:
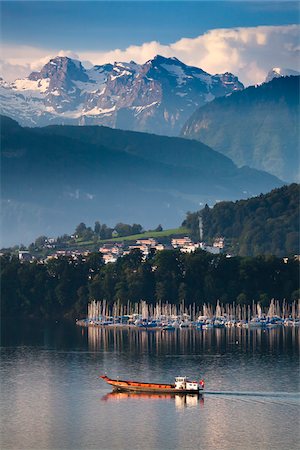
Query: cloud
[18, 62]
[249, 52]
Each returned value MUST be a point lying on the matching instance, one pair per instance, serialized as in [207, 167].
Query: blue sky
[259, 34]
[106, 25]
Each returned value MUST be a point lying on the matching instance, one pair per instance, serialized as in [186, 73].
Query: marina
[169, 317]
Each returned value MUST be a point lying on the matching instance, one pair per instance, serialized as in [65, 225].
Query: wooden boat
[181, 386]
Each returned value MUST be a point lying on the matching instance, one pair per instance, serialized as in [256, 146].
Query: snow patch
[79, 112]
[97, 76]
[176, 71]
[121, 74]
[31, 85]
[139, 109]
[96, 111]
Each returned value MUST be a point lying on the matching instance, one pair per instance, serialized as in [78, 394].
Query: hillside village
[113, 250]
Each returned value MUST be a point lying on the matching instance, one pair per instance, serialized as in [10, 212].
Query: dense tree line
[102, 231]
[267, 224]
[65, 286]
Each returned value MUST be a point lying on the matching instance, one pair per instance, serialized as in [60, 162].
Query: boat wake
[294, 395]
[290, 399]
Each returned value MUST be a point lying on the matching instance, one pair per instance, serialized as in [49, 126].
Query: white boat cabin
[183, 383]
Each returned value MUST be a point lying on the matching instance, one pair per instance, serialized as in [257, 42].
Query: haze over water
[52, 397]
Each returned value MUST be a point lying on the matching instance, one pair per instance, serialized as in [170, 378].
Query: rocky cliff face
[157, 96]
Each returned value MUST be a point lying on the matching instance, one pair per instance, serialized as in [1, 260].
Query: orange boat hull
[134, 386]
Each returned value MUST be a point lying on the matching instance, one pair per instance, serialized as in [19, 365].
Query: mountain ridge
[277, 72]
[157, 96]
[258, 127]
[54, 177]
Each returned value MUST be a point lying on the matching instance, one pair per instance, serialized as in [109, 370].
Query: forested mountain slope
[258, 127]
[268, 224]
[55, 177]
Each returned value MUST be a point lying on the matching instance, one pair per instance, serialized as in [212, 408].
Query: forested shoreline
[64, 286]
[267, 224]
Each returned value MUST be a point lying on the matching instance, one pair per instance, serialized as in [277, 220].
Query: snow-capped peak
[278, 72]
[159, 59]
[61, 64]
[157, 96]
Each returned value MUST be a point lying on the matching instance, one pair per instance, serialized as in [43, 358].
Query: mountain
[58, 176]
[278, 72]
[268, 224]
[158, 96]
[258, 127]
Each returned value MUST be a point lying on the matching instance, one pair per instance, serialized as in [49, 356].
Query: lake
[52, 397]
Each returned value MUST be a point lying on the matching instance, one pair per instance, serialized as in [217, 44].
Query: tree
[121, 292]
[292, 242]
[83, 299]
[295, 295]
[169, 273]
[40, 241]
[95, 288]
[87, 234]
[95, 263]
[264, 299]
[182, 292]
[136, 228]
[241, 299]
[132, 261]
[97, 228]
[80, 229]
[105, 232]
[63, 239]
[123, 229]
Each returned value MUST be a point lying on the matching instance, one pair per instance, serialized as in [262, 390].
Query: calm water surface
[52, 398]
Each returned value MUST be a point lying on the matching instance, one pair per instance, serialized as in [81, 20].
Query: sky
[246, 38]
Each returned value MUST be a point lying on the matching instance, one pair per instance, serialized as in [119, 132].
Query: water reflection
[181, 401]
[188, 401]
[203, 341]
[52, 398]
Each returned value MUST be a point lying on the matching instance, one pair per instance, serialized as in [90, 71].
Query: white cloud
[18, 62]
[247, 52]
